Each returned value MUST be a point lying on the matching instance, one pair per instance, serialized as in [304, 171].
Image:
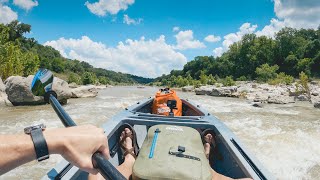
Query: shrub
[242, 78]
[282, 78]
[89, 78]
[266, 72]
[304, 83]
[73, 77]
[228, 81]
[211, 80]
[196, 83]
[203, 78]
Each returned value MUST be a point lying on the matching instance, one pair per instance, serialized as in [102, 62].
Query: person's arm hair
[75, 144]
[15, 150]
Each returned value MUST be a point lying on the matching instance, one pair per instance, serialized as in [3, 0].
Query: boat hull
[233, 160]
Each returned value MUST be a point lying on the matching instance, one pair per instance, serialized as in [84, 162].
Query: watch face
[28, 130]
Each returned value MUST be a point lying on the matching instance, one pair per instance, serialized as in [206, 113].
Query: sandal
[135, 147]
[213, 146]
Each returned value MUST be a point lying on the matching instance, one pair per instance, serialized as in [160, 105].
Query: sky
[149, 38]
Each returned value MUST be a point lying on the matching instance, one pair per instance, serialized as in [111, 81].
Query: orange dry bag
[161, 99]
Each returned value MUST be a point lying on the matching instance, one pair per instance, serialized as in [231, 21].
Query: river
[285, 138]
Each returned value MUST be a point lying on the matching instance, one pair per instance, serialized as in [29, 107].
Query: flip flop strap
[124, 138]
[129, 151]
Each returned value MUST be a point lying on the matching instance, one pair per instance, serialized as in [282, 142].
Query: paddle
[42, 86]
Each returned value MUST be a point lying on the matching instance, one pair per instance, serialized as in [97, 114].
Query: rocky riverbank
[262, 93]
[16, 91]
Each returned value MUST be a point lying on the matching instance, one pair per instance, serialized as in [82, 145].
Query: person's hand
[77, 144]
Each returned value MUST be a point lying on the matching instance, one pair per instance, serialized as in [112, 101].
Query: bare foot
[127, 143]
[209, 140]
[126, 167]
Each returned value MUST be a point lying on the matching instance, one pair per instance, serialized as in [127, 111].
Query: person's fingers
[92, 171]
[104, 150]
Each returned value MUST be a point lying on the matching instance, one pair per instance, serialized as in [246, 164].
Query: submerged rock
[302, 97]
[317, 104]
[259, 105]
[84, 91]
[19, 93]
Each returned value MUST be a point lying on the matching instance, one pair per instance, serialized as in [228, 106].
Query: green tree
[89, 78]
[30, 63]
[305, 65]
[203, 78]
[10, 61]
[58, 65]
[103, 80]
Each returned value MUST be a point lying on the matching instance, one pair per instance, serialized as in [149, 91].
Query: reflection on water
[285, 138]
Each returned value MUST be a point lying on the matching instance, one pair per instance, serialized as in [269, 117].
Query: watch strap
[40, 144]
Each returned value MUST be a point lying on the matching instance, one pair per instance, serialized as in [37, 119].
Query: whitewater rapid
[285, 138]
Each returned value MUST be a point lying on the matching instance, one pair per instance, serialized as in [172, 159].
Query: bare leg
[215, 176]
[126, 167]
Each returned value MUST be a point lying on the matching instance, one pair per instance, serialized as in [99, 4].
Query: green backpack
[172, 152]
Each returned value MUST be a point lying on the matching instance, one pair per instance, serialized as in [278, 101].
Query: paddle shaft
[106, 169]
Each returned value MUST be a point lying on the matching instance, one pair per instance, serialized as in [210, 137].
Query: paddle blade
[42, 82]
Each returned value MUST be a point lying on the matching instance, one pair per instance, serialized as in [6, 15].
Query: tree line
[274, 60]
[24, 56]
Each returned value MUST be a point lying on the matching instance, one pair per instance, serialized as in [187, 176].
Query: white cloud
[231, 38]
[147, 58]
[271, 29]
[26, 4]
[102, 7]
[185, 40]
[218, 51]
[7, 14]
[175, 29]
[128, 20]
[298, 13]
[212, 38]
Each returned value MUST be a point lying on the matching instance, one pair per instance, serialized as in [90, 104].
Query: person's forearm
[75, 144]
[16, 150]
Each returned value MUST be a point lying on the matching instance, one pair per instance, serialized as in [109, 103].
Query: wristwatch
[39, 142]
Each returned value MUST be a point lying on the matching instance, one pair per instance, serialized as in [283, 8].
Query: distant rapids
[285, 138]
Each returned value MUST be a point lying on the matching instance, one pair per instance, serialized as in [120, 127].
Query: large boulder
[2, 86]
[261, 97]
[73, 85]
[62, 89]
[19, 93]
[279, 99]
[3, 96]
[187, 89]
[204, 90]
[228, 91]
[84, 91]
